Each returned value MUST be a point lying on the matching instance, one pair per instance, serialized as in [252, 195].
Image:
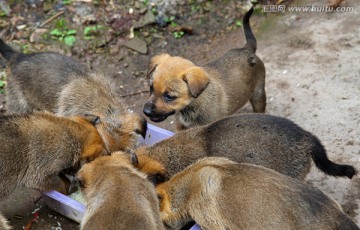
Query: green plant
[25, 49]
[64, 34]
[91, 31]
[169, 19]
[154, 10]
[178, 34]
[238, 23]
[145, 2]
[66, 2]
[2, 82]
[3, 13]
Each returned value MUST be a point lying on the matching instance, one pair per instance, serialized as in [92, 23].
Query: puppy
[270, 141]
[35, 148]
[4, 223]
[60, 84]
[118, 196]
[221, 194]
[199, 95]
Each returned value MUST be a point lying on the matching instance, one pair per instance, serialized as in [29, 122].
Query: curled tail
[324, 164]
[250, 38]
[6, 51]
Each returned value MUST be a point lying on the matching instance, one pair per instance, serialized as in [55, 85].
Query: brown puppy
[35, 148]
[118, 196]
[221, 194]
[200, 95]
[270, 141]
[4, 223]
[60, 84]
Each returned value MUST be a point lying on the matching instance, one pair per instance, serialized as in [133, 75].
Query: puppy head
[94, 173]
[174, 83]
[93, 146]
[120, 132]
[173, 218]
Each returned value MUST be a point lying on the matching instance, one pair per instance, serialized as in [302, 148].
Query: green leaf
[87, 30]
[173, 24]
[2, 84]
[71, 32]
[239, 23]
[56, 32]
[70, 40]
[60, 23]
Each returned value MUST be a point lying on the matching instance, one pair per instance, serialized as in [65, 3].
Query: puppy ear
[155, 61]
[134, 159]
[197, 80]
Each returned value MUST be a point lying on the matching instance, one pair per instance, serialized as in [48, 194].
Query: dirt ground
[313, 78]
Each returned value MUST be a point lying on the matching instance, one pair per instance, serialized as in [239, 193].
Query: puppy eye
[151, 89]
[160, 197]
[168, 97]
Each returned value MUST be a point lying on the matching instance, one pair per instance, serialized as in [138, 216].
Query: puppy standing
[270, 141]
[220, 194]
[60, 84]
[200, 95]
[36, 148]
[118, 196]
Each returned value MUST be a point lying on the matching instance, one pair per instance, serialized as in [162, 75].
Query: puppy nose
[148, 107]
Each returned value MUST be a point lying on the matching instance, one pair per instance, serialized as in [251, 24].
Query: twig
[136, 93]
[51, 18]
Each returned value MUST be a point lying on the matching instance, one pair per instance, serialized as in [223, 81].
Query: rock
[37, 35]
[137, 44]
[147, 19]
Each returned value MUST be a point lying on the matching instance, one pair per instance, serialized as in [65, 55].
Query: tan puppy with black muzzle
[199, 95]
[224, 195]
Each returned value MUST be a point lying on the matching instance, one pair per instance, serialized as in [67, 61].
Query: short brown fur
[273, 142]
[199, 95]
[60, 84]
[221, 194]
[118, 196]
[35, 148]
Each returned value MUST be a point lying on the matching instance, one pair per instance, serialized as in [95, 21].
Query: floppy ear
[154, 62]
[197, 80]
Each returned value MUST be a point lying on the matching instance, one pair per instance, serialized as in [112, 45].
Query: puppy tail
[250, 38]
[321, 160]
[6, 51]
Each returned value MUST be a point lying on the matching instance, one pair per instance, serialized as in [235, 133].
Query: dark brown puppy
[118, 196]
[199, 95]
[35, 148]
[221, 194]
[270, 141]
[60, 84]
